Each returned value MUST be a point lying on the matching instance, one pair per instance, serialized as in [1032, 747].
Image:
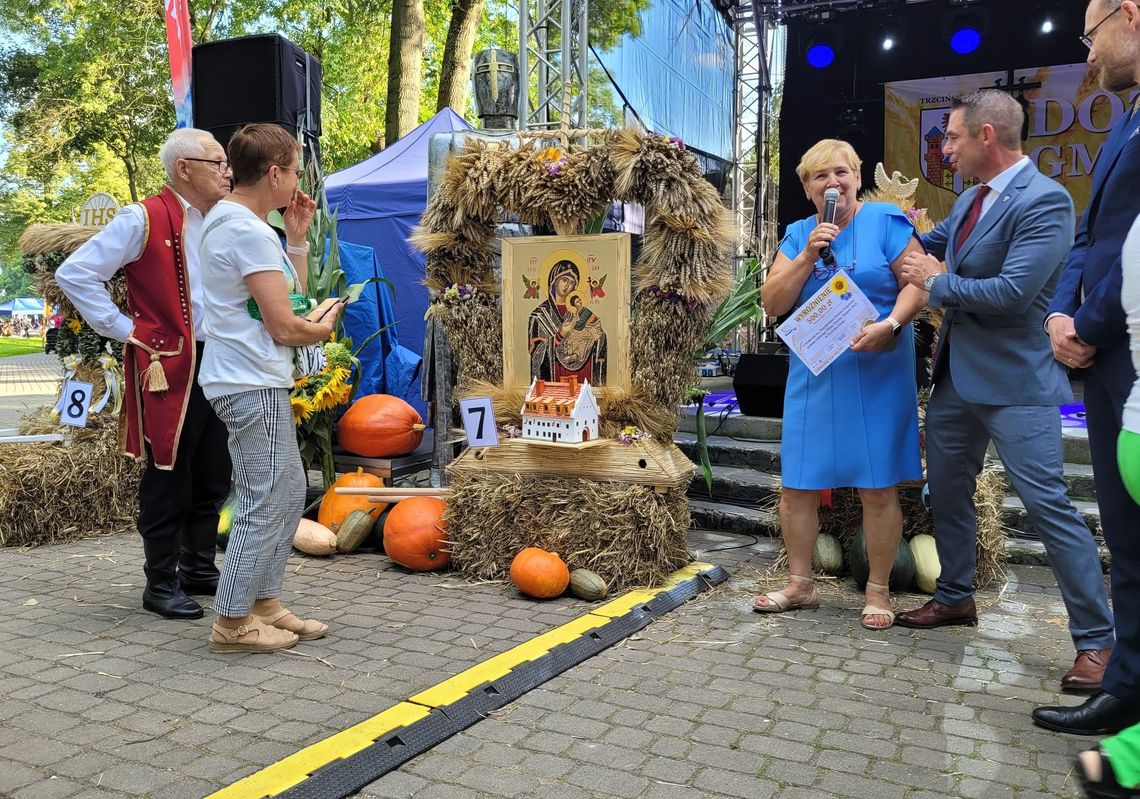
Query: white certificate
[822, 328]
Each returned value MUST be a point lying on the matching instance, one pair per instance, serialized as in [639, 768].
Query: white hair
[182, 143]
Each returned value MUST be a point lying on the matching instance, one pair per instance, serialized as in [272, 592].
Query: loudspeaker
[760, 379]
[264, 78]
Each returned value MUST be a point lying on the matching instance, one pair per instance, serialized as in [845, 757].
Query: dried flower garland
[684, 270]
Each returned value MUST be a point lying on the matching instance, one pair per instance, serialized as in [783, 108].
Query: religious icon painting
[566, 310]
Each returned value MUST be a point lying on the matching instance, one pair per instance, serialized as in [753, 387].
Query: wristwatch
[896, 327]
[928, 283]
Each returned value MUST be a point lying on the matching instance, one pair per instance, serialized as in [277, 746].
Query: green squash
[927, 567]
[587, 585]
[902, 573]
[827, 555]
[226, 519]
[356, 527]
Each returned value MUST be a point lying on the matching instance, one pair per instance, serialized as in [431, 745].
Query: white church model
[560, 413]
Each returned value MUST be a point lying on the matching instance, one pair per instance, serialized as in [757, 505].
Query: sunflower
[302, 409]
[839, 284]
[74, 324]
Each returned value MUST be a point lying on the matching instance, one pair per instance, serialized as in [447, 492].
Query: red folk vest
[159, 357]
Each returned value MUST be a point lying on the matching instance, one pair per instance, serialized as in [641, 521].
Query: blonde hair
[823, 154]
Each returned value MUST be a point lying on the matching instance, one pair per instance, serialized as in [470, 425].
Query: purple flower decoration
[673, 297]
[914, 213]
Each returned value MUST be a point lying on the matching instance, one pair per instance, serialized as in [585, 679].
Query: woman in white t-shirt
[247, 372]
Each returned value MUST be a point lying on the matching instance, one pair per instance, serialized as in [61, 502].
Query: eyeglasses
[220, 166]
[291, 169]
[1087, 38]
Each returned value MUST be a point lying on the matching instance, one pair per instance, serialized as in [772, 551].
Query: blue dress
[856, 424]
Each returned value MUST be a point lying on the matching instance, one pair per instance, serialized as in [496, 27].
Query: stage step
[735, 483]
[1015, 517]
[756, 428]
[712, 515]
[763, 456]
[1078, 478]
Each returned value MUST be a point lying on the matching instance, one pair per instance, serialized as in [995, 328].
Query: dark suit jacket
[997, 288]
[1094, 262]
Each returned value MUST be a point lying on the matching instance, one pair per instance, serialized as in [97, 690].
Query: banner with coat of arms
[1069, 118]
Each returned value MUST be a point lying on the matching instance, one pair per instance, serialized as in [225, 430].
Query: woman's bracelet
[289, 248]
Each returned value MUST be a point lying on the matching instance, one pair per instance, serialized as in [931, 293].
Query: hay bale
[845, 516]
[630, 535]
[51, 493]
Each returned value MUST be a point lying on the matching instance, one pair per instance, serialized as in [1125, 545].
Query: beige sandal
[872, 610]
[778, 601]
[254, 636]
[305, 629]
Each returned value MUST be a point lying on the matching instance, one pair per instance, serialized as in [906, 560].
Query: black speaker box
[760, 379]
[255, 79]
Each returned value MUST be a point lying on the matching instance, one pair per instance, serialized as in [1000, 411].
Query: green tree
[405, 67]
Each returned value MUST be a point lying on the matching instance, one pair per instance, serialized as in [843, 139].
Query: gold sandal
[778, 601]
[872, 610]
[254, 636]
[304, 629]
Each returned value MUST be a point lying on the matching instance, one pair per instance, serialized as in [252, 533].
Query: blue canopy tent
[28, 306]
[377, 203]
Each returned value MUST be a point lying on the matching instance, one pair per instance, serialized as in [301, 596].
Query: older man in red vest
[167, 421]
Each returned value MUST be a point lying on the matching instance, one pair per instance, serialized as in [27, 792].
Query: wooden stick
[372, 491]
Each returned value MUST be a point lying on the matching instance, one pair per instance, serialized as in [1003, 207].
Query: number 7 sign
[479, 422]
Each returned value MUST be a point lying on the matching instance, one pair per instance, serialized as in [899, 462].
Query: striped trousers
[270, 484]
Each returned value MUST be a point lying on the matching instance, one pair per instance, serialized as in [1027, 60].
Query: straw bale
[845, 516]
[50, 493]
[627, 534]
[45, 238]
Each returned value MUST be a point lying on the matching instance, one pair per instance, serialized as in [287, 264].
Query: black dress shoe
[1101, 714]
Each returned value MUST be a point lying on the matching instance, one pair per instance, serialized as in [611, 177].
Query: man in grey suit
[995, 377]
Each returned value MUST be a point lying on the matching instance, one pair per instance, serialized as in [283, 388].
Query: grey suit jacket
[997, 289]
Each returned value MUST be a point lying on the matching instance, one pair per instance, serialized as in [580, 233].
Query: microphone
[830, 199]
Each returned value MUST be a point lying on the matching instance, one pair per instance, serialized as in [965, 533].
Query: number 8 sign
[73, 405]
[479, 422]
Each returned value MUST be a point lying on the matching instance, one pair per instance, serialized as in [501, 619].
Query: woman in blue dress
[856, 423]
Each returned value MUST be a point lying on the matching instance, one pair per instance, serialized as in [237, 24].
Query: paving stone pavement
[27, 382]
[99, 699]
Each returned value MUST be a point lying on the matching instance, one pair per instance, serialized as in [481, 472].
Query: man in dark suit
[994, 376]
[1086, 325]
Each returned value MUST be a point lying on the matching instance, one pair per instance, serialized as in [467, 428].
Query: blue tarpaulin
[386, 367]
[22, 305]
[377, 203]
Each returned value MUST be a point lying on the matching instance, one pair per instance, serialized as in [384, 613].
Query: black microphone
[830, 200]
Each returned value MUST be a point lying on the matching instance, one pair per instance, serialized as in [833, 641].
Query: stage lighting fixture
[965, 36]
[965, 26]
[888, 43]
[820, 52]
[1047, 26]
[821, 43]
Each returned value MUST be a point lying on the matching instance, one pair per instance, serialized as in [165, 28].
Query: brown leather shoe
[935, 614]
[1087, 670]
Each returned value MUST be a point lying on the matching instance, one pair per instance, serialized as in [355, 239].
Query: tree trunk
[405, 68]
[456, 68]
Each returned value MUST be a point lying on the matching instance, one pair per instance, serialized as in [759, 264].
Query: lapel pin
[168, 242]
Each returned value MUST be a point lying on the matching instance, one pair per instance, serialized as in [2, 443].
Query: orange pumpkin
[380, 426]
[539, 573]
[415, 534]
[335, 507]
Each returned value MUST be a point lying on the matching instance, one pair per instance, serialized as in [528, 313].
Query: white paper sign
[479, 422]
[74, 402]
[822, 328]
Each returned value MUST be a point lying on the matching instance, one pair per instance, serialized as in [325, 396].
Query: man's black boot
[163, 595]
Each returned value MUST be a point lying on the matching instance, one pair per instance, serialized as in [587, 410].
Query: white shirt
[1130, 301]
[1000, 183]
[83, 276]
[240, 354]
